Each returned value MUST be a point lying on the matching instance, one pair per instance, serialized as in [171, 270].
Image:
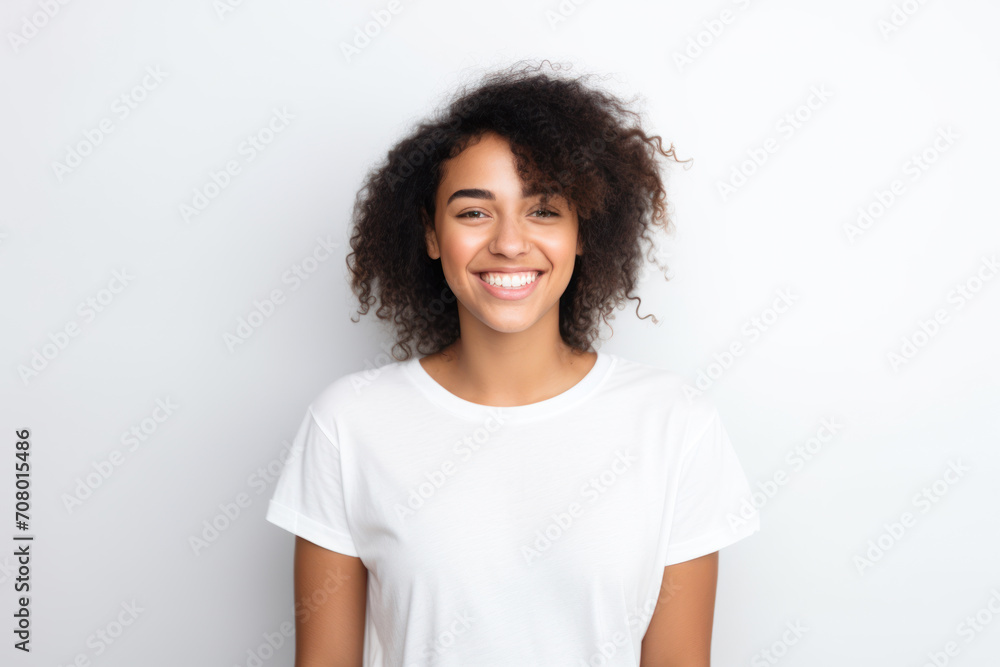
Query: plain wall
[874, 87]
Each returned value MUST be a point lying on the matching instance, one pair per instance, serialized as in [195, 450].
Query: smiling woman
[513, 496]
[506, 253]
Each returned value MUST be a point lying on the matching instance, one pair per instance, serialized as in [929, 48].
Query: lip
[507, 293]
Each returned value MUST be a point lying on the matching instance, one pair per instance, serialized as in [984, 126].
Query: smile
[510, 286]
[514, 280]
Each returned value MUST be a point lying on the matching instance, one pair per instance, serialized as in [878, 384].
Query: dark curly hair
[567, 139]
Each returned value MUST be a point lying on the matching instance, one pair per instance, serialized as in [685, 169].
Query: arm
[330, 598]
[680, 631]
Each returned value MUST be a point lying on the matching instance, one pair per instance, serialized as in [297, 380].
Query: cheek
[456, 255]
[458, 251]
[561, 252]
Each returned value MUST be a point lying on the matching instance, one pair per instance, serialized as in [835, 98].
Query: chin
[508, 326]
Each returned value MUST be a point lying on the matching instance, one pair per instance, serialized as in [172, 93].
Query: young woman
[512, 496]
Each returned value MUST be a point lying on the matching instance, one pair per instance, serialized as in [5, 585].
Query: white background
[161, 336]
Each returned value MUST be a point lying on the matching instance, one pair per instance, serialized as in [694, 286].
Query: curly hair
[568, 139]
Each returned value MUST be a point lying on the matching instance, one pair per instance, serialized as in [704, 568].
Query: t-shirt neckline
[590, 382]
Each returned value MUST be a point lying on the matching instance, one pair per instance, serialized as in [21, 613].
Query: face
[487, 231]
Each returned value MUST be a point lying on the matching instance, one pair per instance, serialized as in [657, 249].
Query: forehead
[470, 173]
[486, 153]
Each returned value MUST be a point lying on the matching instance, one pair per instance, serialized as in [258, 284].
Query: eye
[545, 213]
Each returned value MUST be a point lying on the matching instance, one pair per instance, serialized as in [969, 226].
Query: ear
[430, 235]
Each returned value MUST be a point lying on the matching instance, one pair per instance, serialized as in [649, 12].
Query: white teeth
[512, 280]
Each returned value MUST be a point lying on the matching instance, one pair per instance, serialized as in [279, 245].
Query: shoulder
[360, 392]
[664, 390]
[642, 379]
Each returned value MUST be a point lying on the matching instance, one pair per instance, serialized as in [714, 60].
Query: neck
[497, 368]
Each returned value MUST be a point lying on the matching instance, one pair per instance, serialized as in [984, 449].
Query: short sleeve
[713, 507]
[308, 498]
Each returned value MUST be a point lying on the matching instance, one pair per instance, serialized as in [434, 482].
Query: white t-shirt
[527, 535]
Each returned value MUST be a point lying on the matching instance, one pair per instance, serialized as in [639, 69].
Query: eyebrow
[479, 193]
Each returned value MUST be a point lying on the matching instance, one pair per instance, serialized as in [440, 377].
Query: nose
[510, 237]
